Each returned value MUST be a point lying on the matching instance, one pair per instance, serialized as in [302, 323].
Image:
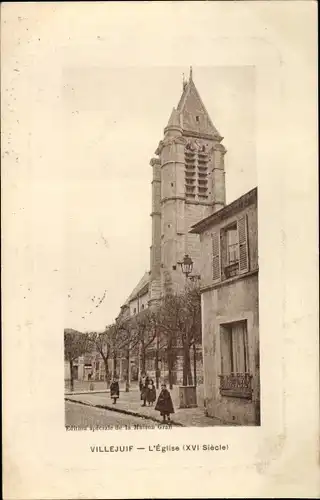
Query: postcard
[159, 284]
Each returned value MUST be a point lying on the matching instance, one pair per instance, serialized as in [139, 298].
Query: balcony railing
[238, 385]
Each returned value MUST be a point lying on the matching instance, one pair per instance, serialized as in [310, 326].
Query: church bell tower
[188, 184]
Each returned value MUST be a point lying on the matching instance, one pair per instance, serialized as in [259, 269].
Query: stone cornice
[210, 137]
[172, 198]
[230, 281]
[195, 145]
[196, 202]
[155, 213]
[173, 127]
[169, 141]
[171, 161]
[184, 141]
[218, 147]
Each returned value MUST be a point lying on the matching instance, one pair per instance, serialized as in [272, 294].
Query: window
[230, 250]
[234, 348]
[235, 379]
[134, 310]
[142, 307]
[232, 245]
[197, 119]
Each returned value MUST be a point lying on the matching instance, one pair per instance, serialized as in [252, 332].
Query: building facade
[83, 368]
[230, 314]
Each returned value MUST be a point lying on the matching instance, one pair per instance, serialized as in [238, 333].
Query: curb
[79, 393]
[106, 391]
[126, 412]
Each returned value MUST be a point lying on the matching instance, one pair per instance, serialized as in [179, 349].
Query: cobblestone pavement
[87, 416]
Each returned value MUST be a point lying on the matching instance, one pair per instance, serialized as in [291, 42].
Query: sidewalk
[83, 386]
[130, 403]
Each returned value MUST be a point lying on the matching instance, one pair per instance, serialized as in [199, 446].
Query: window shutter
[243, 245]
[216, 270]
[225, 350]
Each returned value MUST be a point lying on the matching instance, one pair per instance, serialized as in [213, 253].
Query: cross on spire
[190, 76]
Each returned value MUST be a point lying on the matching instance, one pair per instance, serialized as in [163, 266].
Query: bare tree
[144, 327]
[125, 338]
[75, 345]
[180, 322]
[101, 342]
[169, 318]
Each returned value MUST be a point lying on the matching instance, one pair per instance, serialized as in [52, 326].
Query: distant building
[230, 316]
[82, 368]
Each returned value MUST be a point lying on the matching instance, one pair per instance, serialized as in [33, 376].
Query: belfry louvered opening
[196, 172]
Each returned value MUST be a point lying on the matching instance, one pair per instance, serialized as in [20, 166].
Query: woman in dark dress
[164, 404]
[114, 390]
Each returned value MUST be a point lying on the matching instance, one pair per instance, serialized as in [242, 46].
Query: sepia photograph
[183, 347]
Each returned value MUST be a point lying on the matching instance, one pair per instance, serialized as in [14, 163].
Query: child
[114, 390]
[164, 404]
[151, 395]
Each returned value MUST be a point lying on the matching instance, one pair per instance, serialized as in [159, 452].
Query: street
[83, 416]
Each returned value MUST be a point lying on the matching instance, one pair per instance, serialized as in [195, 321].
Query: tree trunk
[170, 358]
[71, 375]
[187, 377]
[106, 369]
[190, 381]
[157, 364]
[170, 377]
[194, 364]
[114, 364]
[184, 370]
[143, 358]
[128, 371]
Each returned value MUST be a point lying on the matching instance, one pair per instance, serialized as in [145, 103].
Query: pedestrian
[164, 404]
[141, 381]
[143, 385]
[114, 390]
[151, 394]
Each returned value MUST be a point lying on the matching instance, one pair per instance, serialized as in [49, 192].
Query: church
[188, 184]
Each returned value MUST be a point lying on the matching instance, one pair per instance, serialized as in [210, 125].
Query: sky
[113, 120]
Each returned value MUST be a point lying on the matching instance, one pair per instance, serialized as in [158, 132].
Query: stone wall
[237, 300]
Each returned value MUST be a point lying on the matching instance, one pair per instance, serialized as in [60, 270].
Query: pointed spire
[174, 119]
[190, 103]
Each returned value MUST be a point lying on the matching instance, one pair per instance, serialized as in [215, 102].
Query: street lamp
[186, 265]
